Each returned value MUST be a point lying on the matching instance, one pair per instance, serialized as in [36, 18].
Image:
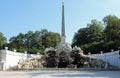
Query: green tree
[34, 42]
[81, 37]
[94, 38]
[50, 39]
[90, 38]
[92, 33]
[2, 41]
[95, 31]
[17, 42]
[112, 29]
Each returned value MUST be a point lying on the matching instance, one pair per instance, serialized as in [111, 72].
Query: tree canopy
[97, 36]
[34, 42]
[92, 33]
[112, 29]
[2, 40]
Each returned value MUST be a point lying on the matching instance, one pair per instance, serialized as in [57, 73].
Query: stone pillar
[63, 36]
[89, 54]
[14, 50]
[38, 54]
[101, 52]
[25, 55]
[112, 50]
[6, 48]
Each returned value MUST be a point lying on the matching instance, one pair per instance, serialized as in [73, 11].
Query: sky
[20, 16]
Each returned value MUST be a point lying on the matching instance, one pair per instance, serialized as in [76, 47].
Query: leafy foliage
[2, 41]
[34, 42]
[112, 29]
[94, 38]
[93, 32]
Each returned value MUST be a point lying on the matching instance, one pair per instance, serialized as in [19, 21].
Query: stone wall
[10, 59]
[112, 57]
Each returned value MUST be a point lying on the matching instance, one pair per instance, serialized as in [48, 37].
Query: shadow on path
[92, 74]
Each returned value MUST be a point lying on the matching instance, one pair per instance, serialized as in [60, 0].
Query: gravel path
[63, 74]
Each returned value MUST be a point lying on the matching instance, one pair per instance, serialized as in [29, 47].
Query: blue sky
[20, 16]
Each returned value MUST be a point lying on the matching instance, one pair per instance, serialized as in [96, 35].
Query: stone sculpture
[64, 56]
[52, 59]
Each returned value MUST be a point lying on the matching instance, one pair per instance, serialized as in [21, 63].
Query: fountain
[64, 56]
[73, 59]
[57, 58]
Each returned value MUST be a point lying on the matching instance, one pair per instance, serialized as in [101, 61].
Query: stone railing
[112, 57]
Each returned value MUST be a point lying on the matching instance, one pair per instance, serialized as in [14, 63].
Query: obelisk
[63, 36]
